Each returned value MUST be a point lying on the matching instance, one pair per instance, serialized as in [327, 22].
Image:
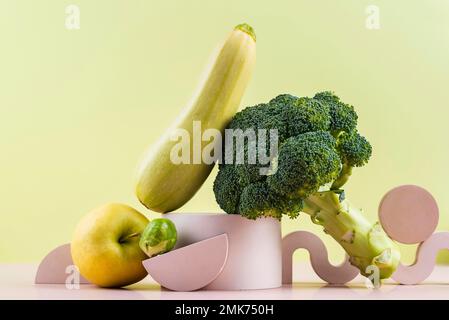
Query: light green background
[78, 108]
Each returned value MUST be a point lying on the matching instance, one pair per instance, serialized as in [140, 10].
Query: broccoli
[318, 146]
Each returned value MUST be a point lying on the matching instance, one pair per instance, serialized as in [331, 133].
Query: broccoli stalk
[318, 147]
[365, 243]
[345, 174]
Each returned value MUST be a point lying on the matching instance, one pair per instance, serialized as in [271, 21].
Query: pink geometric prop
[191, 267]
[254, 258]
[53, 269]
[408, 214]
[425, 260]
[318, 256]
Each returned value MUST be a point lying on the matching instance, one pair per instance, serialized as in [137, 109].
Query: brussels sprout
[158, 237]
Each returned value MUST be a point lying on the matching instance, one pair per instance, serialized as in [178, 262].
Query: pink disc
[408, 214]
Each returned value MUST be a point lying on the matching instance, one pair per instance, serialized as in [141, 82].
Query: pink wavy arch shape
[318, 258]
[424, 261]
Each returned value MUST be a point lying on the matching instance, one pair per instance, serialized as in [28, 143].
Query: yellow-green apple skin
[105, 246]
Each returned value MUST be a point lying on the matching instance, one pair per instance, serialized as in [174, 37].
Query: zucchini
[164, 186]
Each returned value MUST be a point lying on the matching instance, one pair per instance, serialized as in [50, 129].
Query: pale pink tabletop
[16, 282]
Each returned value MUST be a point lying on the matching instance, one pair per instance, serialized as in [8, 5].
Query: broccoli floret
[257, 199]
[252, 118]
[227, 189]
[306, 115]
[306, 162]
[283, 100]
[343, 116]
[318, 146]
[354, 149]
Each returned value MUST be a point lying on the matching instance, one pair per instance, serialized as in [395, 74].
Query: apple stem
[126, 238]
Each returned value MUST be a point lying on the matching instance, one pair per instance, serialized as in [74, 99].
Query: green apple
[105, 246]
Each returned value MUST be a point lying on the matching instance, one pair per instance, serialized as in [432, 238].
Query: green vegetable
[163, 185]
[158, 237]
[318, 147]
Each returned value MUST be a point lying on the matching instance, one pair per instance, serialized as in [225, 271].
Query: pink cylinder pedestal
[255, 248]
